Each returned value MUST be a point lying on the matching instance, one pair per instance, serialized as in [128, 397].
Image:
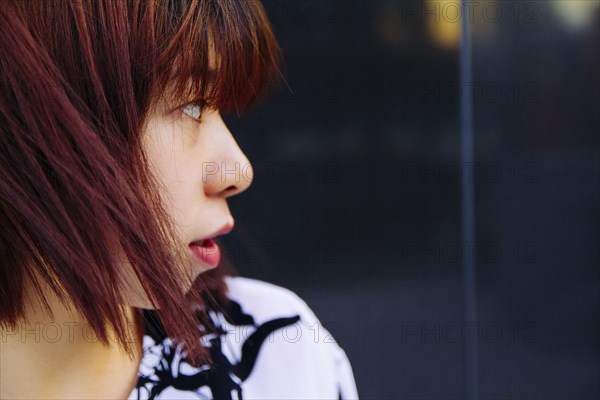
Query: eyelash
[201, 104]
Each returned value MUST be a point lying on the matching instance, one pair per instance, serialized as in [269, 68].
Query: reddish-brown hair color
[77, 79]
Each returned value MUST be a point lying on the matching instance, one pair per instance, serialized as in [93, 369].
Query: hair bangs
[221, 52]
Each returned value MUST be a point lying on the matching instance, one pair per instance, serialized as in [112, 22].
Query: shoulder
[268, 345]
[267, 299]
[242, 285]
[296, 350]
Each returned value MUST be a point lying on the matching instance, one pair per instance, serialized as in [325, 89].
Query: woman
[116, 170]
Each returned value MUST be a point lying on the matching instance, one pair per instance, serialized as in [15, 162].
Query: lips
[208, 253]
[206, 250]
[225, 229]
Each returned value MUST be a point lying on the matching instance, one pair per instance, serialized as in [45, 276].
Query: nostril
[231, 189]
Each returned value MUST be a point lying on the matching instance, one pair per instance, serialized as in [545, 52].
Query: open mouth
[206, 251]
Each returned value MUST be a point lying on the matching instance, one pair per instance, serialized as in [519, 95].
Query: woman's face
[200, 165]
[194, 156]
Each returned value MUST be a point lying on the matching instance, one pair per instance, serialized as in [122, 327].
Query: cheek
[169, 166]
[177, 201]
[179, 181]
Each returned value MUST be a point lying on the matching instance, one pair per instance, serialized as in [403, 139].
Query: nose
[229, 171]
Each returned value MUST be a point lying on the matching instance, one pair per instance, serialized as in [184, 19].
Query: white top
[270, 346]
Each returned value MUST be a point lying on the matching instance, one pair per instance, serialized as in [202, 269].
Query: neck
[59, 357]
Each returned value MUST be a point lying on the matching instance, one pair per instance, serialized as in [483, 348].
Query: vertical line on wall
[468, 206]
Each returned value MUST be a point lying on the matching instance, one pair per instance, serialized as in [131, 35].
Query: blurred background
[356, 201]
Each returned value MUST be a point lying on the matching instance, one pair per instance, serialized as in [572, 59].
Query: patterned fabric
[268, 345]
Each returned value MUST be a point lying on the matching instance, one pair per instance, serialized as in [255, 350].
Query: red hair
[77, 79]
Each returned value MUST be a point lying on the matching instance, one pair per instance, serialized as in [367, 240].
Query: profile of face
[199, 165]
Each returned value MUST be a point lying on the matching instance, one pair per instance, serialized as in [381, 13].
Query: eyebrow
[211, 74]
[210, 78]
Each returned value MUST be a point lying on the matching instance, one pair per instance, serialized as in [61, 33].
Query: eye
[194, 109]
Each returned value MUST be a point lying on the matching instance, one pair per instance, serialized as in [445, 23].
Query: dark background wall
[356, 201]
